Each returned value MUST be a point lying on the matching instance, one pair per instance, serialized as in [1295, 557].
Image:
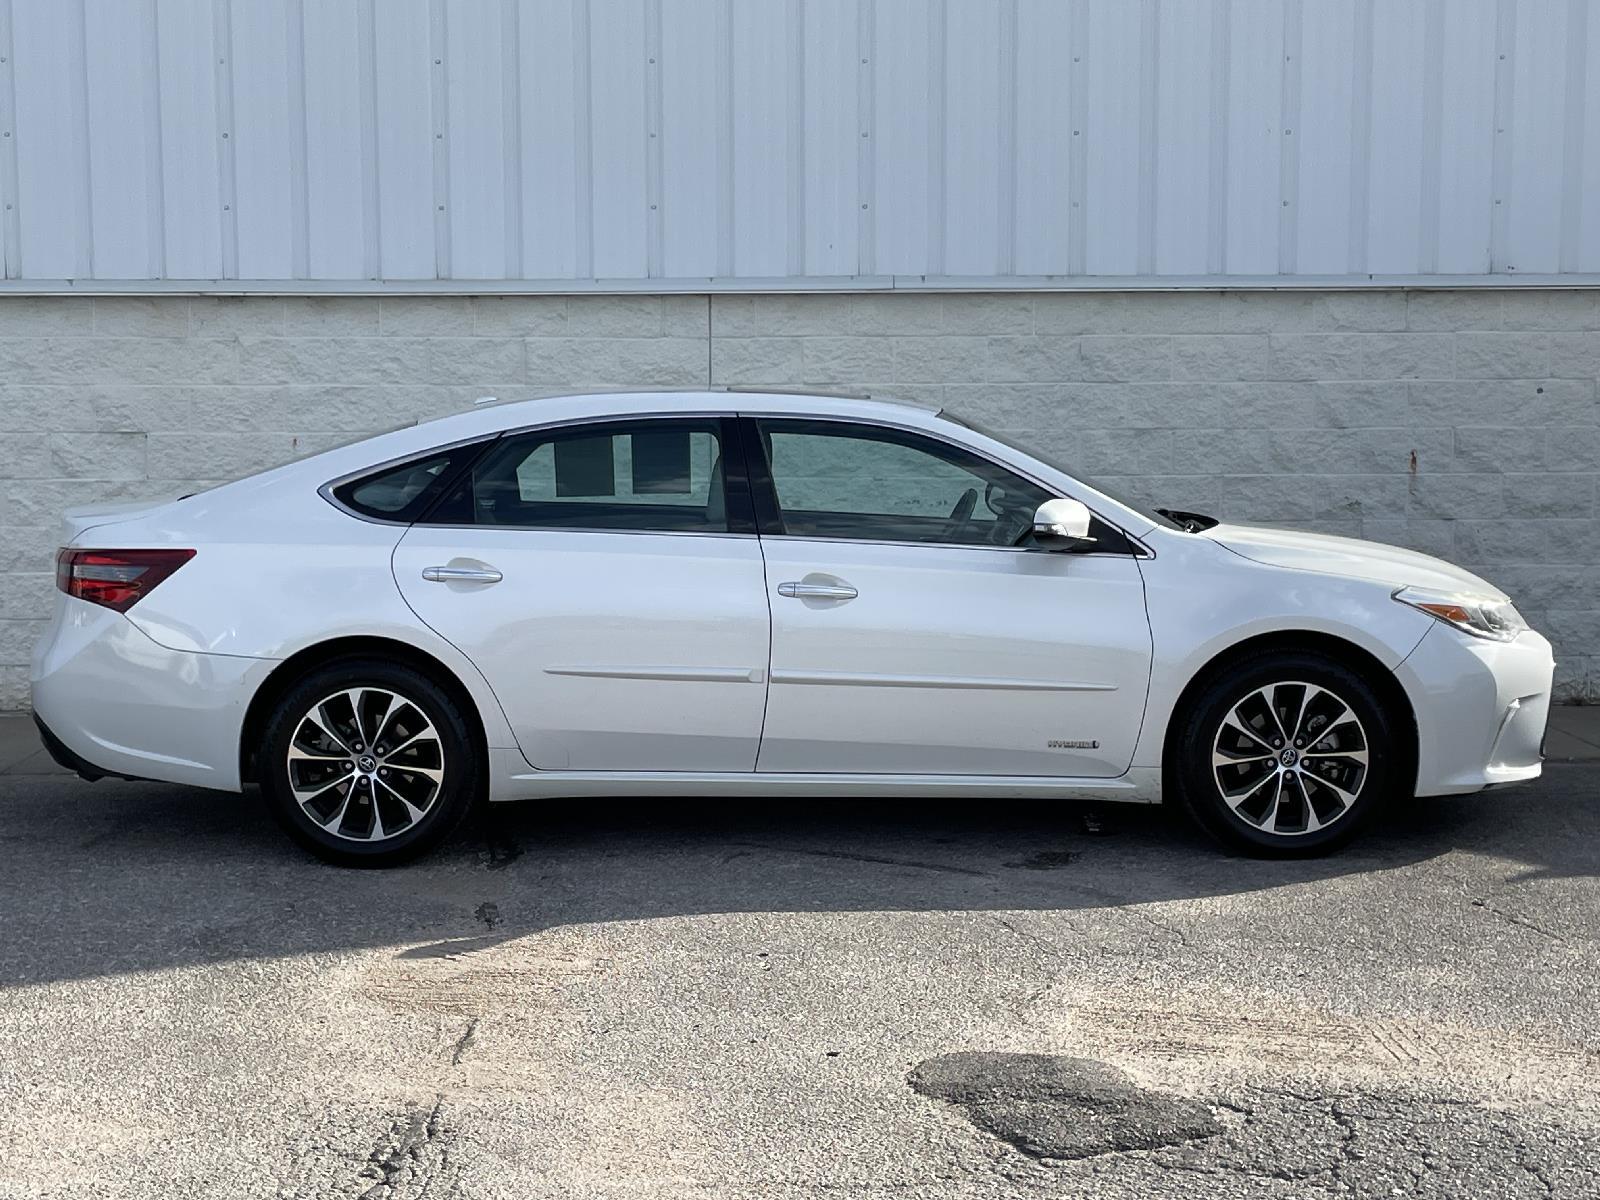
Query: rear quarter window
[403, 493]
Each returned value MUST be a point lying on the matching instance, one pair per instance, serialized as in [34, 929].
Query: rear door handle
[461, 575]
[817, 591]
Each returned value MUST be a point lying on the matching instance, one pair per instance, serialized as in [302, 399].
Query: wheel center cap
[368, 763]
[1288, 758]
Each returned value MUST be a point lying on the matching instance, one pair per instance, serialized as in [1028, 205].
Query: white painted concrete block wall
[1461, 423]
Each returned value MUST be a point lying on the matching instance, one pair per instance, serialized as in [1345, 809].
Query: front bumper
[1481, 709]
[114, 702]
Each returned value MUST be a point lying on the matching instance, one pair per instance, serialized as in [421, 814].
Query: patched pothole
[1050, 1106]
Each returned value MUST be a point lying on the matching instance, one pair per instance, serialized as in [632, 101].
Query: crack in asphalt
[874, 859]
[1521, 922]
[464, 1042]
[1162, 926]
[414, 1157]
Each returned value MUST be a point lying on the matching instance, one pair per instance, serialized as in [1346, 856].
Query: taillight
[117, 579]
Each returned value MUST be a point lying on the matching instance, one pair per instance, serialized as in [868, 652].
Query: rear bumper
[66, 757]
[110, 701]
[1481, 709]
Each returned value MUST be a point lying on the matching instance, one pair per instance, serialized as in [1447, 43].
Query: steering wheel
[960, 515]
[1013, 515]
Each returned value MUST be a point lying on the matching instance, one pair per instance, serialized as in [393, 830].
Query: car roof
[489, 418]
[493, 414]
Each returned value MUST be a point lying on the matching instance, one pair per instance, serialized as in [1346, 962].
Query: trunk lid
[77, 521]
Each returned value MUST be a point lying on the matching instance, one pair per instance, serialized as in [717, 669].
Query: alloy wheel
[1290, 758]
[365, 764]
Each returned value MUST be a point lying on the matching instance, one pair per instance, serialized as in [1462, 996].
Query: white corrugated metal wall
[705, 143]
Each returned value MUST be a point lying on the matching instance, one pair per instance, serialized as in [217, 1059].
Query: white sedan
[696, 594]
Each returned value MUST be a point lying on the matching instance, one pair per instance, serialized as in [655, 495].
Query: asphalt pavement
[787, 999]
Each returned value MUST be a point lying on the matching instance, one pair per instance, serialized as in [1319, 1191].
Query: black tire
[434, 770]
[1297, 816]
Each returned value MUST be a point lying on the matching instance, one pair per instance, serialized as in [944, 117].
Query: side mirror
[1062, 525]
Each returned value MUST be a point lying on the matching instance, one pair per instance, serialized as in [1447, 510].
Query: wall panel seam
[367, 85]
[1006, 181]
[1217, 184]
[299, 176]
[83, 201]
[1289, 156]
[511, 132]
[655, 226]
[155, 182]
[1429, 222]
[1360, 138]
[1149, 133]
[9, 190]
[227, 179]
[439, 79]
[937, 110]
[583, 138]
[1500, 191]
[866, 157]
[1575, 127]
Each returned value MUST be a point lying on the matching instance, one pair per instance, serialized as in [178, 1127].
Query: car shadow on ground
[120, 877]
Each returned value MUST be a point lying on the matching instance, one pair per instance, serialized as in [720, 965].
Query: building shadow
[117, 877]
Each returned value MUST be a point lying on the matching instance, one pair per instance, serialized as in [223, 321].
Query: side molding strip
[671, 674]
[967, 682]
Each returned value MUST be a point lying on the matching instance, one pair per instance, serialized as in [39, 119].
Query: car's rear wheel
[1286, 754]
[368, 763]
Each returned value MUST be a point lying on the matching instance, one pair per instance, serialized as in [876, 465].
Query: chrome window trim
[698, 533]
[1141, 548]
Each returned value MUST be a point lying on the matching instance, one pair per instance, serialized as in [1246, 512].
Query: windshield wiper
[1191, 522]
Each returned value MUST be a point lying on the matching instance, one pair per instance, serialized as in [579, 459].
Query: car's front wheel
[368, 763]
[1286, 754]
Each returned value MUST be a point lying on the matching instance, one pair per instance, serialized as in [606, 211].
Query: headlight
[1481, 616]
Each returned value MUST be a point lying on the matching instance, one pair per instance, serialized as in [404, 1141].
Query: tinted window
[404, 492]
[860, 481]
[665, 475]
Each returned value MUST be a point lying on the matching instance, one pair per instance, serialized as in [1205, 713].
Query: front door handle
[461, 575]
[817, 591]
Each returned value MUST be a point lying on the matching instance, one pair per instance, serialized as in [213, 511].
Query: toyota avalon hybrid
[745, 595]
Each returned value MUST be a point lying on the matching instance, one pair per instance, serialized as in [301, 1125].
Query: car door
[911, 634]
[607, 581]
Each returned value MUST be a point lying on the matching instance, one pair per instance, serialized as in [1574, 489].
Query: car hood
[1389, 565]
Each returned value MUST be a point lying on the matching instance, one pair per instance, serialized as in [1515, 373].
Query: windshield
[1154, 516]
